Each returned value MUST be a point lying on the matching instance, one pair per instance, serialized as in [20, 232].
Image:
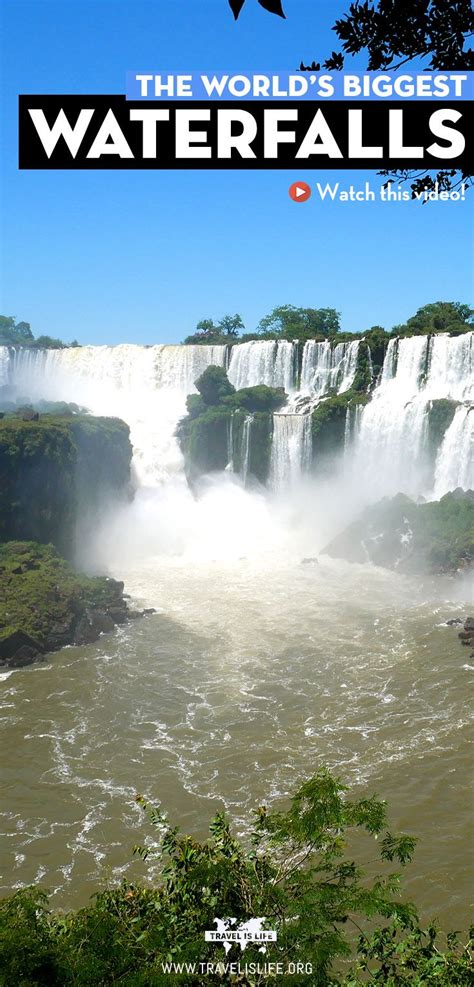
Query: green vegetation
[214, 385]
[14, 333]
[365, 372]
[294, 869]
[451, 317]
[61, 408]
[437, 536]
[440, 415]
[257, 398]
[45, 605]
[289, 322]
[292, 323]
[209, 332]
[328, 426]
[55, 470]
[212, 432]
[57, 473]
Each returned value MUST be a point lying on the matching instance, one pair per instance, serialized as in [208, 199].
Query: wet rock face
[91, 625]
[467, 634]
[18, 648]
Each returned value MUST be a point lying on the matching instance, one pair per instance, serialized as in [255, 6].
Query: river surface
[253, 673]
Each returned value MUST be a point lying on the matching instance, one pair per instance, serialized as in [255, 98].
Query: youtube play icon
[299, 191]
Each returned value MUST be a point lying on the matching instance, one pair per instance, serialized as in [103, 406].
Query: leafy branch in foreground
[294, 870]
[273, 6]
[432, 33]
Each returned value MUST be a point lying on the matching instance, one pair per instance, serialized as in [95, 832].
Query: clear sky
[111, 256]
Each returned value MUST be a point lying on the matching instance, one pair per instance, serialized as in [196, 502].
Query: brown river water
[251, 675]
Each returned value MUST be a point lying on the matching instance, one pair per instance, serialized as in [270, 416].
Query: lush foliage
[294, 869]
[14, 333]
[451, 317]
[289, 322]
[211, 435]
[292, 323]
[42, 597]
[440, 415]
[213, 385]
[257, 398]
[328, 426]
[397, 533]
[54, 470]
[222, 332]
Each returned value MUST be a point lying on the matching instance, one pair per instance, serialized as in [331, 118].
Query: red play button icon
[299, 191]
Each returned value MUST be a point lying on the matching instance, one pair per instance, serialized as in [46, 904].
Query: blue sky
[112, 256]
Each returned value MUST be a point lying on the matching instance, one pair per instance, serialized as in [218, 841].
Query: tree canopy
[451, 317]
[300, 323]
[213, 385]
[14, 333]
[208, 331]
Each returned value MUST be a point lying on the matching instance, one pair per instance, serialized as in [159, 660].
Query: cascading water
[451, 367]
[291, 449]
[392, 447]
[340, 664]
[388, 438]
[267, 362]
[352, 426]
[327, 368]
[230, 444]
[455, 459]
[145, 385]
[5, 364]
[245, 450]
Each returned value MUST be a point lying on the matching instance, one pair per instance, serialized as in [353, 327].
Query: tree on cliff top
[452, 317]
[300, 323]
[230, 325]
[208, 331]
[14, 333]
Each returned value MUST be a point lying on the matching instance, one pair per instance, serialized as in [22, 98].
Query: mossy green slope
[42, 597]
[56, 467]
[396, 533]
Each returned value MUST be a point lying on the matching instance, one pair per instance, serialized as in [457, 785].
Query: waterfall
[455, 459]
[451, 367]
[145, 385]
[230, 444]
[270, 362]
[390, 362]
[392, 447]
[291, 449]
[352, 425]
[326, 368]
[5, 363]
[387, 439]
[245, 448]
